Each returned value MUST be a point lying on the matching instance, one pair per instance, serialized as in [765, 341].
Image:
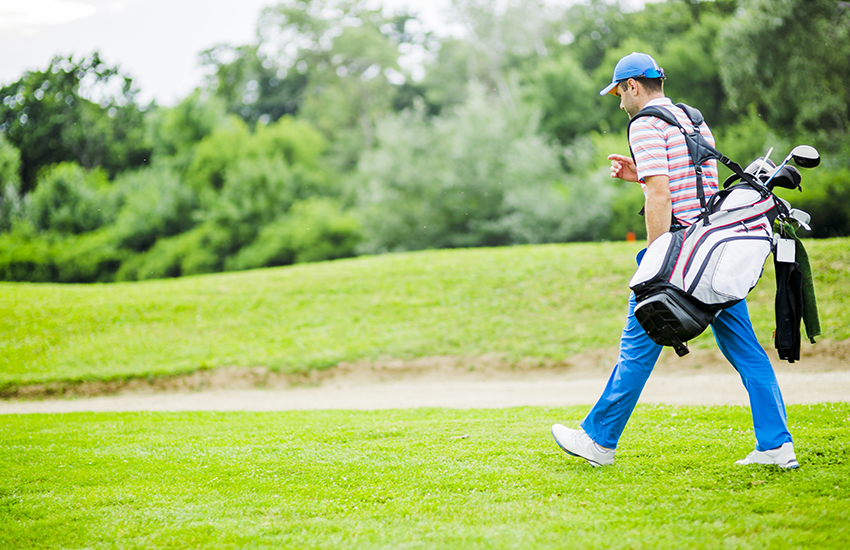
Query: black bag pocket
[671, 319]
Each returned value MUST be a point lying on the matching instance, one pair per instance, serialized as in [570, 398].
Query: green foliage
[493, 136]
[825, 196]
[10, 184]
[626, 198]
[26, 257]
[313, 230]
[626, 205]
[480, 176]
[335, 63]
[76, 110]
[245, 181]
[791, 59]
[238, 182]
[445, 83]
[215, 153]
[200, 250]
[232, 146]
[417, 479]
[88, 258]
[567, 97]
[692, 71]
[747, 140]
[154, 204]
[296, 140]
[254, 194]
[69, 199]
[251, 85]
[10, 164]
[173, 132]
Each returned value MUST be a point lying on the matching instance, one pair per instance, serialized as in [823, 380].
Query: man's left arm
[658, 210]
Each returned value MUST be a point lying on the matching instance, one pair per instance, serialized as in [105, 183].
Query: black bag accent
[671, 319]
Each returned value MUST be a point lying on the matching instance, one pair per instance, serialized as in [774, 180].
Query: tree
[10, 184]
[790, 59]
[69, 199]
[478, 176]
[253, 86]
[349, 55]
[502, 36]
[693, 74]
[77, 110]
[567, 98]
[174, 132]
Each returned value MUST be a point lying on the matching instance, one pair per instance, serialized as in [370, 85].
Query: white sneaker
[783, 457]
[578, 443]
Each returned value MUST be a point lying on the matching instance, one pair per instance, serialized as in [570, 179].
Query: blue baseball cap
[634, 65]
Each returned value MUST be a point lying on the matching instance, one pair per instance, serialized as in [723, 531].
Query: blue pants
[638, 354]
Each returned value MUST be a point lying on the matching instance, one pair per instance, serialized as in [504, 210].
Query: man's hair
[651, 85]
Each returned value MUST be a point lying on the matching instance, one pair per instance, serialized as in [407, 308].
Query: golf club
[805, 156]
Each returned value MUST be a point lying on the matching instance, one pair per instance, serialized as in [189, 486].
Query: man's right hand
[623, 168]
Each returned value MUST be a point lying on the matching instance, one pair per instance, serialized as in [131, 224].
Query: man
[663, 167]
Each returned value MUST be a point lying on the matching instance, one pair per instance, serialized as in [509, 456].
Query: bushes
[481, 176]
[154, 205]
[200, 250]
[25, 257]
[164, 222]
[69, 199]
[232, 147]
[314, 230]
[10, 184]
[89, 258]
[11, 206]
[825, 196]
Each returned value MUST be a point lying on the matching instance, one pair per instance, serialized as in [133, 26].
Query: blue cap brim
[607, 89]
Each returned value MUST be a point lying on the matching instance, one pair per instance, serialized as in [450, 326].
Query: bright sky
[154, 41]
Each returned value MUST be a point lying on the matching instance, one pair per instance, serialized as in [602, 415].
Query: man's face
[628, 97]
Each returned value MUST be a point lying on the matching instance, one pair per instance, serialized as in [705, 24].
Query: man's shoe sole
[592, 463]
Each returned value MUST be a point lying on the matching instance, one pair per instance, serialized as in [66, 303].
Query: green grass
[426, 478]
[532, 302]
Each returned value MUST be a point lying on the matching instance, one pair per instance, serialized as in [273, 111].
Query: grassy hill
[531, 302]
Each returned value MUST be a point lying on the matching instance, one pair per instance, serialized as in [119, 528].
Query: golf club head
[805, 156]
[760, 164]
[787, 177]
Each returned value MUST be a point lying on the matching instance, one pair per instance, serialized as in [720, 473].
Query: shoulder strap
[699, 150]
[709, 152]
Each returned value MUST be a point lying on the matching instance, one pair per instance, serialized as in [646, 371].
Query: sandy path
[702, 378]
[699, 389]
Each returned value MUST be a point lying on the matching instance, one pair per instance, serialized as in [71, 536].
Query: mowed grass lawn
[424, 478]
[527, 302]
[420, 478]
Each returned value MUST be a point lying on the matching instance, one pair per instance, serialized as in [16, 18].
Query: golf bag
[687, 276]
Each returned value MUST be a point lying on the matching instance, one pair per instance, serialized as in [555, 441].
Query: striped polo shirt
[659, 149]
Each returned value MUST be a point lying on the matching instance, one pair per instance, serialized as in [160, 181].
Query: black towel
[789, 310]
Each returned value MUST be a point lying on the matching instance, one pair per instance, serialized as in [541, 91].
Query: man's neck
[650, 99]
